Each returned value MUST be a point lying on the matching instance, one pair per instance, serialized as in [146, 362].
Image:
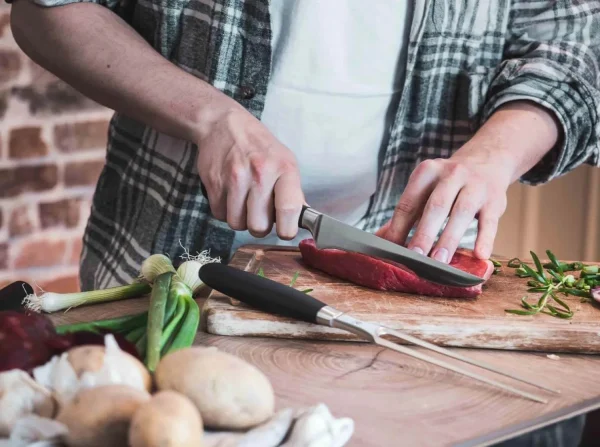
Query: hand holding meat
[248, 174]
[457, 189]
[472, 183]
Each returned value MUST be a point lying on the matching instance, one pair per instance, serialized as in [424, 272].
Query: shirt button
[247, 92]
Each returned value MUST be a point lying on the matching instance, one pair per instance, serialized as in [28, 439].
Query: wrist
[515, 138]
[213, 107]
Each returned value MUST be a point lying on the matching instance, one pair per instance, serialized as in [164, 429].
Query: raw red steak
[383, 275]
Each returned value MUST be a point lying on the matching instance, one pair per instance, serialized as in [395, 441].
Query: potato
[90, 358]
[229, 392]
[169, 419]
[101, 416]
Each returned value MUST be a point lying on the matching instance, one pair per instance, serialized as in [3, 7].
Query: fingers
[420, 185]
[435, 212]
[260, 198]
[288, 204]
[217, 198]
[237, 193]
[488, 220]
[468, 203]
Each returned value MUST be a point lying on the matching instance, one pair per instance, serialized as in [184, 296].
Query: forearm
[517, 136]
[99, 54]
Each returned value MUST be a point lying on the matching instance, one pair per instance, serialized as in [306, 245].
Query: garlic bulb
[36, 431]
[317, 427]
[66, 374]
[20, 396]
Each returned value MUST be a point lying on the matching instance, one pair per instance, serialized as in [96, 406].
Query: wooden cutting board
[476, 323]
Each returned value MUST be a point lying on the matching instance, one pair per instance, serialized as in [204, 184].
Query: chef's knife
[331, 233]
[275, 298]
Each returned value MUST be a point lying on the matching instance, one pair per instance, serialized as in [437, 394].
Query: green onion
[186, 335]
[119, 325]
[154, 266]
[156, 316]
[51, 302]
[177, 294]
[136, 334]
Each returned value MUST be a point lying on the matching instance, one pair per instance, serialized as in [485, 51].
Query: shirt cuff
[554, 90]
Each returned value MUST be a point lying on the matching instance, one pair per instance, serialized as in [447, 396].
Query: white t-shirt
[337, 66]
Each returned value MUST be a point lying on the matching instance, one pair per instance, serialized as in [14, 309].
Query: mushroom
[169, 419]
[229, 392]
[101, 416]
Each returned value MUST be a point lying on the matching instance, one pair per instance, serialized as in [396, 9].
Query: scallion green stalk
[156, 317]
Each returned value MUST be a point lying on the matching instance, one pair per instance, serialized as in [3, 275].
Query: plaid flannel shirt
[465, 59]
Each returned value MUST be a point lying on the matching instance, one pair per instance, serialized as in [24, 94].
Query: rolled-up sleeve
[121, 7]
[552, 57]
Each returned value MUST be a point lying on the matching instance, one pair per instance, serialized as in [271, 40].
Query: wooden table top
[395, 399]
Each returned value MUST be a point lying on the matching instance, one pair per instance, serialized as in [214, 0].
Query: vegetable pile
[136, 380]
[94, 395]
[554, 278]
[173, 317]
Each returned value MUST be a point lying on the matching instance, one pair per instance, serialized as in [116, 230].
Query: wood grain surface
[475, 323]
[396, 400]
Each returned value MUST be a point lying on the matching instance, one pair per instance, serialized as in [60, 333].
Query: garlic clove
[20, 396]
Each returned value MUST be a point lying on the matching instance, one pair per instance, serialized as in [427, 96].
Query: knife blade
[331, 233]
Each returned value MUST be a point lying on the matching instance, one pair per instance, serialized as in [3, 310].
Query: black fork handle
[260, 292]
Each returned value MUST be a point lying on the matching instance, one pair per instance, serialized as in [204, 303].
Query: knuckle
[212, 182]
[490, 222]
[258, 164]
[287, 165]
[406, 206]
[236, 174]
[287, 210]
[436, 202]
[423, 167]
[466, 206]
[456, 169]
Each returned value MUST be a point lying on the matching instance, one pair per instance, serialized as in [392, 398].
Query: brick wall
[52, 147]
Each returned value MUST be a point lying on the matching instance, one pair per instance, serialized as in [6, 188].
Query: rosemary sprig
[549, 279]
[261, 272]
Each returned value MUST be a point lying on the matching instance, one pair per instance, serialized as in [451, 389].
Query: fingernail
[417, 250]
[441, 254]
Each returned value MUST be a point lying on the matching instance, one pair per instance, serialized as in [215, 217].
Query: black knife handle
[304, 207]
[262, 293]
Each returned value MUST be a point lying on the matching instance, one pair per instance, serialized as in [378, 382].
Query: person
[408, 119]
